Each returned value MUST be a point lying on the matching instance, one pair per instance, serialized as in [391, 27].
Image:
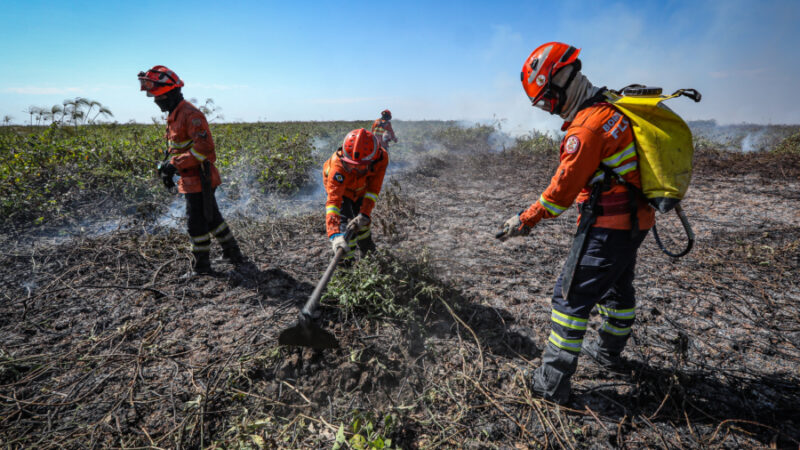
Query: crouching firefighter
[192, 158]
[353, 177]
[597, 159]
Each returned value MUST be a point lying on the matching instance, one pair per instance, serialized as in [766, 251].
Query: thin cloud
[33, 90]
[344, 101]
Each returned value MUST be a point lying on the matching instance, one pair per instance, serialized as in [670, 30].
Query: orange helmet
[158, 81]
[360, 147]
[386, 114]
[539, 69]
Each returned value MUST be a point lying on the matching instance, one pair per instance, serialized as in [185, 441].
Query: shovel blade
[308, 335]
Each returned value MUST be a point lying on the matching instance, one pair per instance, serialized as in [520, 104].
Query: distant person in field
[353, 177]
[603, 270]
[382, 128]
[192, 149]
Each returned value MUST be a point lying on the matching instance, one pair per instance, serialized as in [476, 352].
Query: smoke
[753, 141]
[173, 217]
[745, 138]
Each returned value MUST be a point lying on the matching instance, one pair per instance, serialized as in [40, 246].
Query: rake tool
[306, 333]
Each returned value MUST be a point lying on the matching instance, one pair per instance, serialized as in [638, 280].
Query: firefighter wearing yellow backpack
[602, 165]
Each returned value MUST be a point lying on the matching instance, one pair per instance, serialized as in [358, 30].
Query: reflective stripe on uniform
[200, 157]
[576, 323]
[180, 145]
[372, 196]
[200, 239]
[600, 175]
[551, 207]
[622, 314]
[332, 210]
[364, 235]
[201, 248]
[611, 329]
[222, 227]
[573, 345]
[622, 170]
[615, 159]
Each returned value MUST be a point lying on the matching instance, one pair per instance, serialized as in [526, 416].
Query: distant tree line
[77, 111]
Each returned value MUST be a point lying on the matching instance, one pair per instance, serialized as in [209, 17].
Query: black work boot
[201, 265]
[606, 359]
[231, 252]
[551, 380]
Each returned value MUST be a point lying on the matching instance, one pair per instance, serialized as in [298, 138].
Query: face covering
[580, 90]
[169, 101]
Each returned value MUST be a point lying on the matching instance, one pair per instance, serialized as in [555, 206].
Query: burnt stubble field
[103, 345]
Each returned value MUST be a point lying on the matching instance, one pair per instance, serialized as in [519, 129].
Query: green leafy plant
[367, 430]
[385, 285]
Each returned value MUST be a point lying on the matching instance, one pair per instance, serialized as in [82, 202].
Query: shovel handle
[313, 302]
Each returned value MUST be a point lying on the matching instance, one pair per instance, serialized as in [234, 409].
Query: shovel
[306, 333]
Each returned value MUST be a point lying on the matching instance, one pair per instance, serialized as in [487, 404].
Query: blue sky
[423, 60]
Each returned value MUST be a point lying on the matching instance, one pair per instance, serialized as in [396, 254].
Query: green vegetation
[790, 145]
[47, 171]
[386, 285]
[536, 142]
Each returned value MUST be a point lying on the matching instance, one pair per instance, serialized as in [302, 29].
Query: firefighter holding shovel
[613, 221]
[353, 177]
[192, 158]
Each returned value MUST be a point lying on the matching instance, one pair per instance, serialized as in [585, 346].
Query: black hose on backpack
[689, 234]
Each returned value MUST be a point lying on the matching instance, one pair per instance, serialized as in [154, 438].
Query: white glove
[338, 241]
[513, 227]
[358, 222]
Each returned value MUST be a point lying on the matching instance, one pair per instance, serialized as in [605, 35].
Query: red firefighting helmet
[158, 81]
[541, 66]
[386, 114]
[360, 147]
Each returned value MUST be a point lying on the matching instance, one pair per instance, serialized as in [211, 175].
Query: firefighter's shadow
[492, 327]
[702, 397]
[274, 286]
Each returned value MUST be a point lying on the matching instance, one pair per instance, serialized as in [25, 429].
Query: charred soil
[103, 344]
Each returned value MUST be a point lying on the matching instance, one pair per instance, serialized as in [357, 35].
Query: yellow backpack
[664, 147]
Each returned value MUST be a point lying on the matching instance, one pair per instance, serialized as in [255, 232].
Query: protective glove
[513, 227]
[338, 241]
[167, 171]
[358, 222]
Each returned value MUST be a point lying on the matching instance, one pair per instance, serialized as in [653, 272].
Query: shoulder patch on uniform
[572, 145]
[197, 122]
[338, 177]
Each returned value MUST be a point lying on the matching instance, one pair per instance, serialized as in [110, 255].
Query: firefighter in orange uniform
[353, 177]
[192, 149]
[382, 128]
[613, 220]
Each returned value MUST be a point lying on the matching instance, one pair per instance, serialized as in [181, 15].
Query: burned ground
[104, 345]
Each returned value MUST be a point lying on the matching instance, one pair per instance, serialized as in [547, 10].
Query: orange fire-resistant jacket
[191, 143]
[599, 133]
[342, 181]
[381, 127]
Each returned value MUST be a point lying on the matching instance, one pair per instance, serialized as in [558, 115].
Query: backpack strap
[633, 196]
